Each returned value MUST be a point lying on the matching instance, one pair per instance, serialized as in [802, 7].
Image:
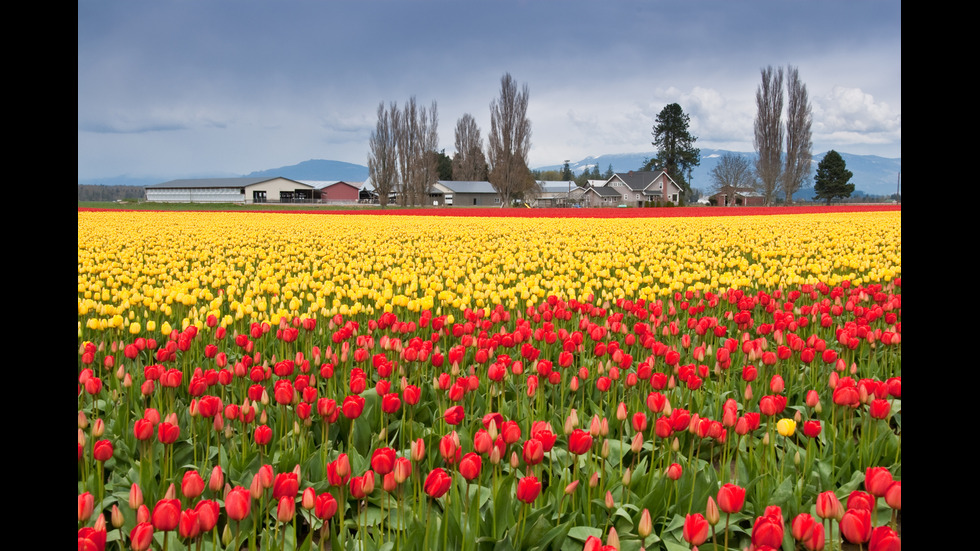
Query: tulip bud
[627, 477]
[645, 526]
[309, 498]
[637, 444]
[748, 392]
[594, 480]
[571, 487]
[712, 514]
[612, 539]
[171, 492]
[604, 427]
[227, 536]
[495, 455]
[418, 450]
[217, 480]
[796, 458]
[117, 516]
[82, 420]
[514, 460]
[142, 514]
[135, 496]
[98, 428]
[765, 439]
[610, 502]
[621, 412]
[675, 445]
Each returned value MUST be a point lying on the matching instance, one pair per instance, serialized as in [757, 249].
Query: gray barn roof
[200, 183]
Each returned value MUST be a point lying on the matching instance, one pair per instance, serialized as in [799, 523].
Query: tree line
[403, 160]
[91, 192]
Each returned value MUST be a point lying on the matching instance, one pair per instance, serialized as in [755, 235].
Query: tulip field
[492, 380]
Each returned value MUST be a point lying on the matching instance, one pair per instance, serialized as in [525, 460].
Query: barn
[231, 190]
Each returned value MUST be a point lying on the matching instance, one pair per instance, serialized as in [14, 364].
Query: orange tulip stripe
[553, 380]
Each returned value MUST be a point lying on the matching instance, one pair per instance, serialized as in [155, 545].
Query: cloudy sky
[183, 88]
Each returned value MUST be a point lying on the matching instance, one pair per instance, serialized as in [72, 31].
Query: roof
[199, 183]
[639, 179]
[468, 187]
[604, 191]
[322, 184]
[557, 186]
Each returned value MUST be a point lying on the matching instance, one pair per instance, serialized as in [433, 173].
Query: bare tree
[417, 139]
[769, 132]
[799, 118]
[733, 173]
[469, 163]
[383, 158]
[509, 142]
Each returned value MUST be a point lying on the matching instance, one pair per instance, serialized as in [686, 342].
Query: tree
[509, 142]
[444, 165]
[469, 163]
[675, 145]
[769, 132]
[832, 179]
[732, 172]
[566, 172]
[799, 119]
[417, 141]
[383, 157]
[609, 172]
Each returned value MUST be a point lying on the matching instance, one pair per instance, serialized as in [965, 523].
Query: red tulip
[695, 529]
[390, 403]
[812, 428]
[879, 409]
[338, 471]
[412, 394]
[579, 442]
[528, 489]
[192, 485]
[383, 460]
[856, 525]
[674, 471]
[470, 466]
[207, 514]
[454, 415]
[860, 500]
[86, 504]
[286, 509]
[802, 526]
[877, 480]
[238, 503]
[326, 506]
[188, 526]
[828, 506]
[166, 515]
[285, 485]
[731, 498]
[90, 539]
[893, 496]
[884, 538]
[437, 483]
[353, 406]
[263, 435]
[102, 450]
[141, 536]
[533, 451]
[143, 429]
[768, 530]
[168, 433]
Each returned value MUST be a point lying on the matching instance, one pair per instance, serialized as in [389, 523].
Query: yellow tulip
[786, 427]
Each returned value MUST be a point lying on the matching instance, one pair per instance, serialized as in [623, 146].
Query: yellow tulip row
[134, 267]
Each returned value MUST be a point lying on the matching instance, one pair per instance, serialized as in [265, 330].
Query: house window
[258, 197]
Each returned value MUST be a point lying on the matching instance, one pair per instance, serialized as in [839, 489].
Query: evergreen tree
[675, 145]
[832, 180]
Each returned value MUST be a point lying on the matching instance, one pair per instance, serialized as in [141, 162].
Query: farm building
[729, 196]
[335, 191]
[231, 190]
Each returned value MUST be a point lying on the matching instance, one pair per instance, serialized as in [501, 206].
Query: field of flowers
[410, 381]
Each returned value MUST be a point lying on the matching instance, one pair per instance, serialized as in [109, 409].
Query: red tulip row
[507, 380]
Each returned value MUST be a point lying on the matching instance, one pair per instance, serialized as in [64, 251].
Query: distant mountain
[317, 169]
[873, 175]
[314, 169]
